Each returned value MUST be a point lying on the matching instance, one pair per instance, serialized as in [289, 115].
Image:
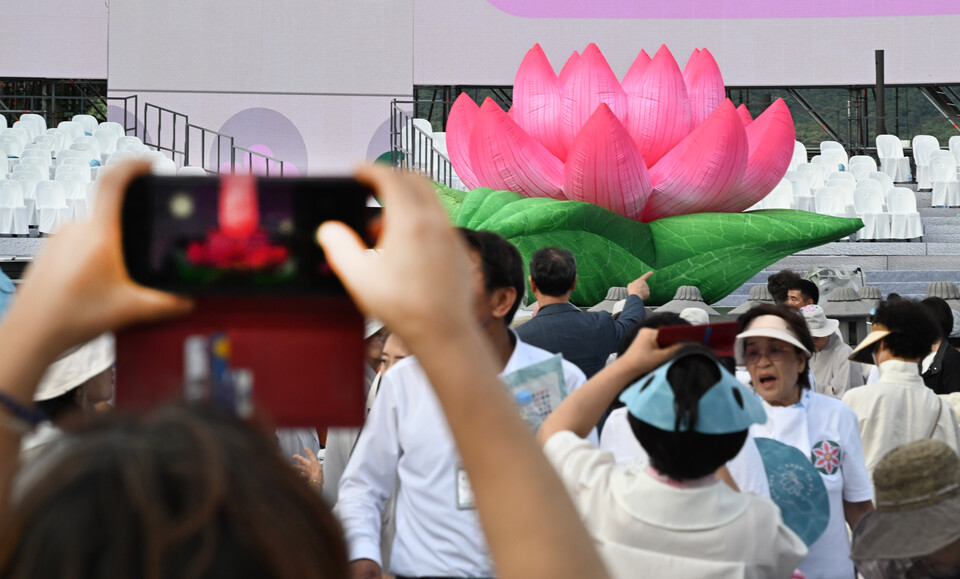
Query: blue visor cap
[726, 407]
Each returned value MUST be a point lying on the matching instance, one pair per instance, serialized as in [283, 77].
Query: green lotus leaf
[717, 252]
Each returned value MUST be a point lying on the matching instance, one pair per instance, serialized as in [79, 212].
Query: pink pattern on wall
[652, 9]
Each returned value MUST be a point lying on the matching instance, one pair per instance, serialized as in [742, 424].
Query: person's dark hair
[501, 264]
[941, 312]
[179, 492]
[779, 284]
[893, 296]
[808, 289]
[794, 321]
[913, 329]
[58, 408]
[685, 455]
[554, 270]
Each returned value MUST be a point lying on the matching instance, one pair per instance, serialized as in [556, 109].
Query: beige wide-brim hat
[918, 503]
[863, 353]
[768, 326]
[75, 367]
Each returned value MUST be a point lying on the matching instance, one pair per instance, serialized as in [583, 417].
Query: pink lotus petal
[505, 157]
[460, 122]
[659, 112]
[591, 82]
[633, 79]
[704, 85]
[567, 69]
[744, 115]
[771, 142]
[693, 58]
[703, 169]
[536, 101]
[605, 168]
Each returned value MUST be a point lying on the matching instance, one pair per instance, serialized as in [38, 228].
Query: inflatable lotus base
[717, 252]
[646, 173]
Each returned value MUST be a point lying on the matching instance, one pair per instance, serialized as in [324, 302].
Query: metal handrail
[172, 149]
[218, 138]
[251, 154]
[416, 151]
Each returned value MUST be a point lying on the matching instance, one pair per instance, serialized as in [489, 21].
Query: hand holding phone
[237, 234]
[718, 337]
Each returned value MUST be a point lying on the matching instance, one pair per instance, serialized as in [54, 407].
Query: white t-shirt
[817, 426]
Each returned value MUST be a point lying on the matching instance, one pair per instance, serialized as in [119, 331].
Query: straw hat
[918, 503]
[863, 353]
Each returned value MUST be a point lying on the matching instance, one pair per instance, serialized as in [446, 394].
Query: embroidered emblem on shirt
[826, 456]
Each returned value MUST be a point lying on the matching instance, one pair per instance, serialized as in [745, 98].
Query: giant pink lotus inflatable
[659, 143]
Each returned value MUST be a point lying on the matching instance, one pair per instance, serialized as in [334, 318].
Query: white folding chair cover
[802, 197]
[120, 156]
[52, 210]
[868, 199]
[126, 142]
[38, 155]
[954, 146]
[88, 122]
[59, 138]
[42, 172]
[799, 155]
[28, 183]
[830, 201]
[813, 174]
[846, 187]
[191, 170]
[14, 217]
[73, 130]
[923, 147]
[905, 220]
[780, 198]
[70, 168]
[883, 179]
[107, 139]
[36, 120]
[117, 128]
[30, 128]
[943, 177]
[861, 165]
[892, 160]
[12, 143]
[91, 149]
[163, 166]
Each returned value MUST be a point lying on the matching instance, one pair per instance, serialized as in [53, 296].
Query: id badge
[465, 499]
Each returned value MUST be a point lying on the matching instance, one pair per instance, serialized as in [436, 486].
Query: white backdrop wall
[332, 67]
[53, 38]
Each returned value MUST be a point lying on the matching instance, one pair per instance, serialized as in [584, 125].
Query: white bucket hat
[818, 323]
[75, 367]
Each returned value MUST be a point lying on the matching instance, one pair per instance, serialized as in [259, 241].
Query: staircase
[904, 268]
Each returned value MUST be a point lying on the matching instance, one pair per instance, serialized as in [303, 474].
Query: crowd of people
[793, 455]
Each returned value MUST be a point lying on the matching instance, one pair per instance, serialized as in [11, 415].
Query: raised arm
[76, 289]
[582, 409]
[419, 285]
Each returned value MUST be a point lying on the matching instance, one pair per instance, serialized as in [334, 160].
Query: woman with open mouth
[775, 345]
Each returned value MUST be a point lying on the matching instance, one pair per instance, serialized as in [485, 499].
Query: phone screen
[238, 233]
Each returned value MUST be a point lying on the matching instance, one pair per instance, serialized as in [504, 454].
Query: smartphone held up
[273, 328]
